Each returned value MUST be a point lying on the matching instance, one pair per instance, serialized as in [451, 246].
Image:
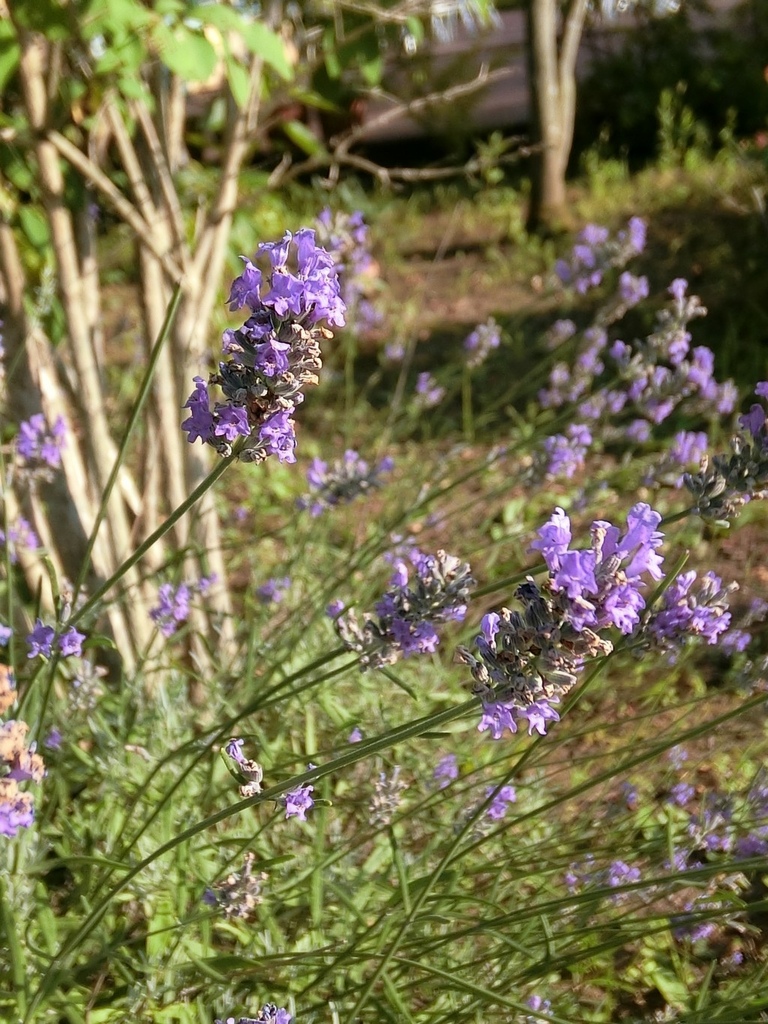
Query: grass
[443, 912]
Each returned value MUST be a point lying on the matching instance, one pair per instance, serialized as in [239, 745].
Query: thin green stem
[154, 537]
[133, 419]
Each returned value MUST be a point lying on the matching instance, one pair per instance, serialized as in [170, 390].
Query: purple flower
[429, 392]
[633, 289]
[334, 608]
[234, 749]
[566, 453]
[71, 643]
[6, 632]
[754, 420]
[279, 436]
[200, 422]
[355, 736]
[684, 612]
[172, 607]
[245, 289]
[16, 810]
[347, 479]
[407, 614]
[500, 804]
[298, 801]
[639, 431]
[538, 714]
[36, 443]
[620, 873]
[446, 770]
[480, 343]
[231, 422]
[20, 535]
[53, 740]
[678, 289]
[735, 641]
[40, 640]
[498, 716]
[688, 446]
[761, 389]
[682, 793]
[535, 1002]
[274, 590]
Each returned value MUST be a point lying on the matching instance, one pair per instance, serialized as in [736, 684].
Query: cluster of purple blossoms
[274, 355]
[648, 379]
[274, 590]
[687, 611]
[345, 480]
[20, 535]
[481, 342]
[268, 1014]
[40, 446]
[614, 876]
[527, 660]
[172, 608]
[564, 454]
[406, 617]
[40, 641]
[725, 483]
[18, 763]
[595, 252]
[428, 392]
[345, 237]
[602, 586]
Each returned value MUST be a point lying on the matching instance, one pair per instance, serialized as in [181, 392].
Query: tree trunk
[552, 78]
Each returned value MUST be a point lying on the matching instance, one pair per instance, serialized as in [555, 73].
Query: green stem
[153, 538]
[133, 419]
[15, 949]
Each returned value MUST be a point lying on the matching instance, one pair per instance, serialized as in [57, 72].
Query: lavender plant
[161, 822]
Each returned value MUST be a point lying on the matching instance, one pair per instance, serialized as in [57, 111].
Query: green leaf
[185, 52]
[268, 45]
[372, 71]
[225, 19]
[34, 226]
[302, 137]
[9, 52]
[239, 81]
[131, 88]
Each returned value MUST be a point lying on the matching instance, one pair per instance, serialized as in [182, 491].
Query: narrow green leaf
[34, 226]
[185, 52]
[302, 137]
[238, 80]
[268, 45]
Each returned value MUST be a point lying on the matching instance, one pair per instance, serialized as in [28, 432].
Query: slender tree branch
[120, 204]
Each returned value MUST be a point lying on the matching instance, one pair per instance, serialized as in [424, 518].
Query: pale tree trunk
[148, 154]
[552, 79]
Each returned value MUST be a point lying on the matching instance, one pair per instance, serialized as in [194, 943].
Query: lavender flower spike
[290, 288]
